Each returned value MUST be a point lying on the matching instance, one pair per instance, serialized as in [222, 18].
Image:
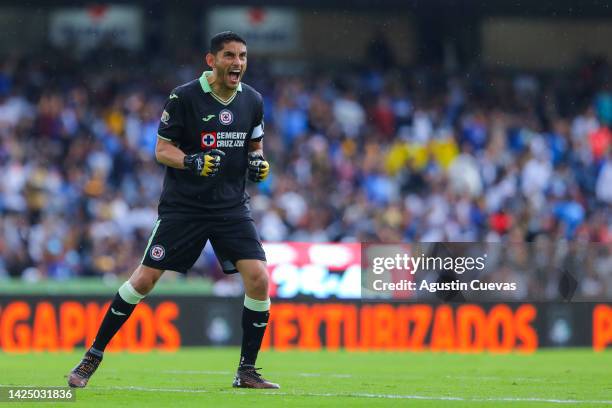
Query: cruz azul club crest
[157, 252]
[208, 140]
[226, 117]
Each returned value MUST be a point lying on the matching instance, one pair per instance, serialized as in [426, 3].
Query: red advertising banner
[45, 326]
[414, 327]
[31, 323]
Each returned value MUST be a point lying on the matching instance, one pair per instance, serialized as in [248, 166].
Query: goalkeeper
[210, 139]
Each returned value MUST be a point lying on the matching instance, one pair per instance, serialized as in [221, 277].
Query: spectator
[437, 158]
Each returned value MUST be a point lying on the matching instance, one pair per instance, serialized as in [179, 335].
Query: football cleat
[80, 375]
[248, 377]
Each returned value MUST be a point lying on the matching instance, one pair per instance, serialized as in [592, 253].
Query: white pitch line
[360, 395]
[147, 389]
[204, 372]
[348, 395]
[197, 372]
[324, 375]
[490, 378]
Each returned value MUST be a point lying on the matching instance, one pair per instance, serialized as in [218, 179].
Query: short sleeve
[172, 121]
[258, 129]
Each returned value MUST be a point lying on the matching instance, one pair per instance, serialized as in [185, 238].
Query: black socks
[119, 311]
[254, 323]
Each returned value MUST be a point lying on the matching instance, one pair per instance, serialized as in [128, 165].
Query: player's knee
[255, 275]
[259, 282]
[143, 280]
[141, 285]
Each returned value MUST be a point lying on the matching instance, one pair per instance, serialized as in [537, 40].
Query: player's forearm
[256, 147]
[168, 154]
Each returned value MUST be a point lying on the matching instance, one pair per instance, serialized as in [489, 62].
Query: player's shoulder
[186, 90]
[249, 91]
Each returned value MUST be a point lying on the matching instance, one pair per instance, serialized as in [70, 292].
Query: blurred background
[387, 121]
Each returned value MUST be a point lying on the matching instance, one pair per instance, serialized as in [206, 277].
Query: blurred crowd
[364, 153]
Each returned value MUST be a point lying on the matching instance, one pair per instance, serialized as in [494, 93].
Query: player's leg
[141, 282]
[256, 310]
[128, 296]
[174, 245]
[255, 316]
[238, 246]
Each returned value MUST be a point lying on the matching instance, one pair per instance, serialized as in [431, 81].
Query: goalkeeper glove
[258, 167]
[204, 163]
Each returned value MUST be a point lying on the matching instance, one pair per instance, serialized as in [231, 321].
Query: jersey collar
[207, 89]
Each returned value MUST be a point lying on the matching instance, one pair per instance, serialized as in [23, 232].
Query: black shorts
[176, 244]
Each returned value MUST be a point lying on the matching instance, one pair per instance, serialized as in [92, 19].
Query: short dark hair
[219, 40]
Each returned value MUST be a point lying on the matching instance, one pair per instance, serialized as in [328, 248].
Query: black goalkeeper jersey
[196, 120]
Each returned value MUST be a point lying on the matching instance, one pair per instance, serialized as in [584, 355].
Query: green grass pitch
[198, 377]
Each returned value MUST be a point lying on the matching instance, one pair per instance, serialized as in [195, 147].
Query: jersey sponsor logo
[226, 117]
[209, 117]
[157, 252]
[208, 140]
[231, 139]
[165, 117]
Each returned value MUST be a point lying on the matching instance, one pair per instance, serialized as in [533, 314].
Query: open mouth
[234, 75]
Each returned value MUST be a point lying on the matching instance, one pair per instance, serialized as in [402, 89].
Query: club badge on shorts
[157, 252]
[226, 117]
